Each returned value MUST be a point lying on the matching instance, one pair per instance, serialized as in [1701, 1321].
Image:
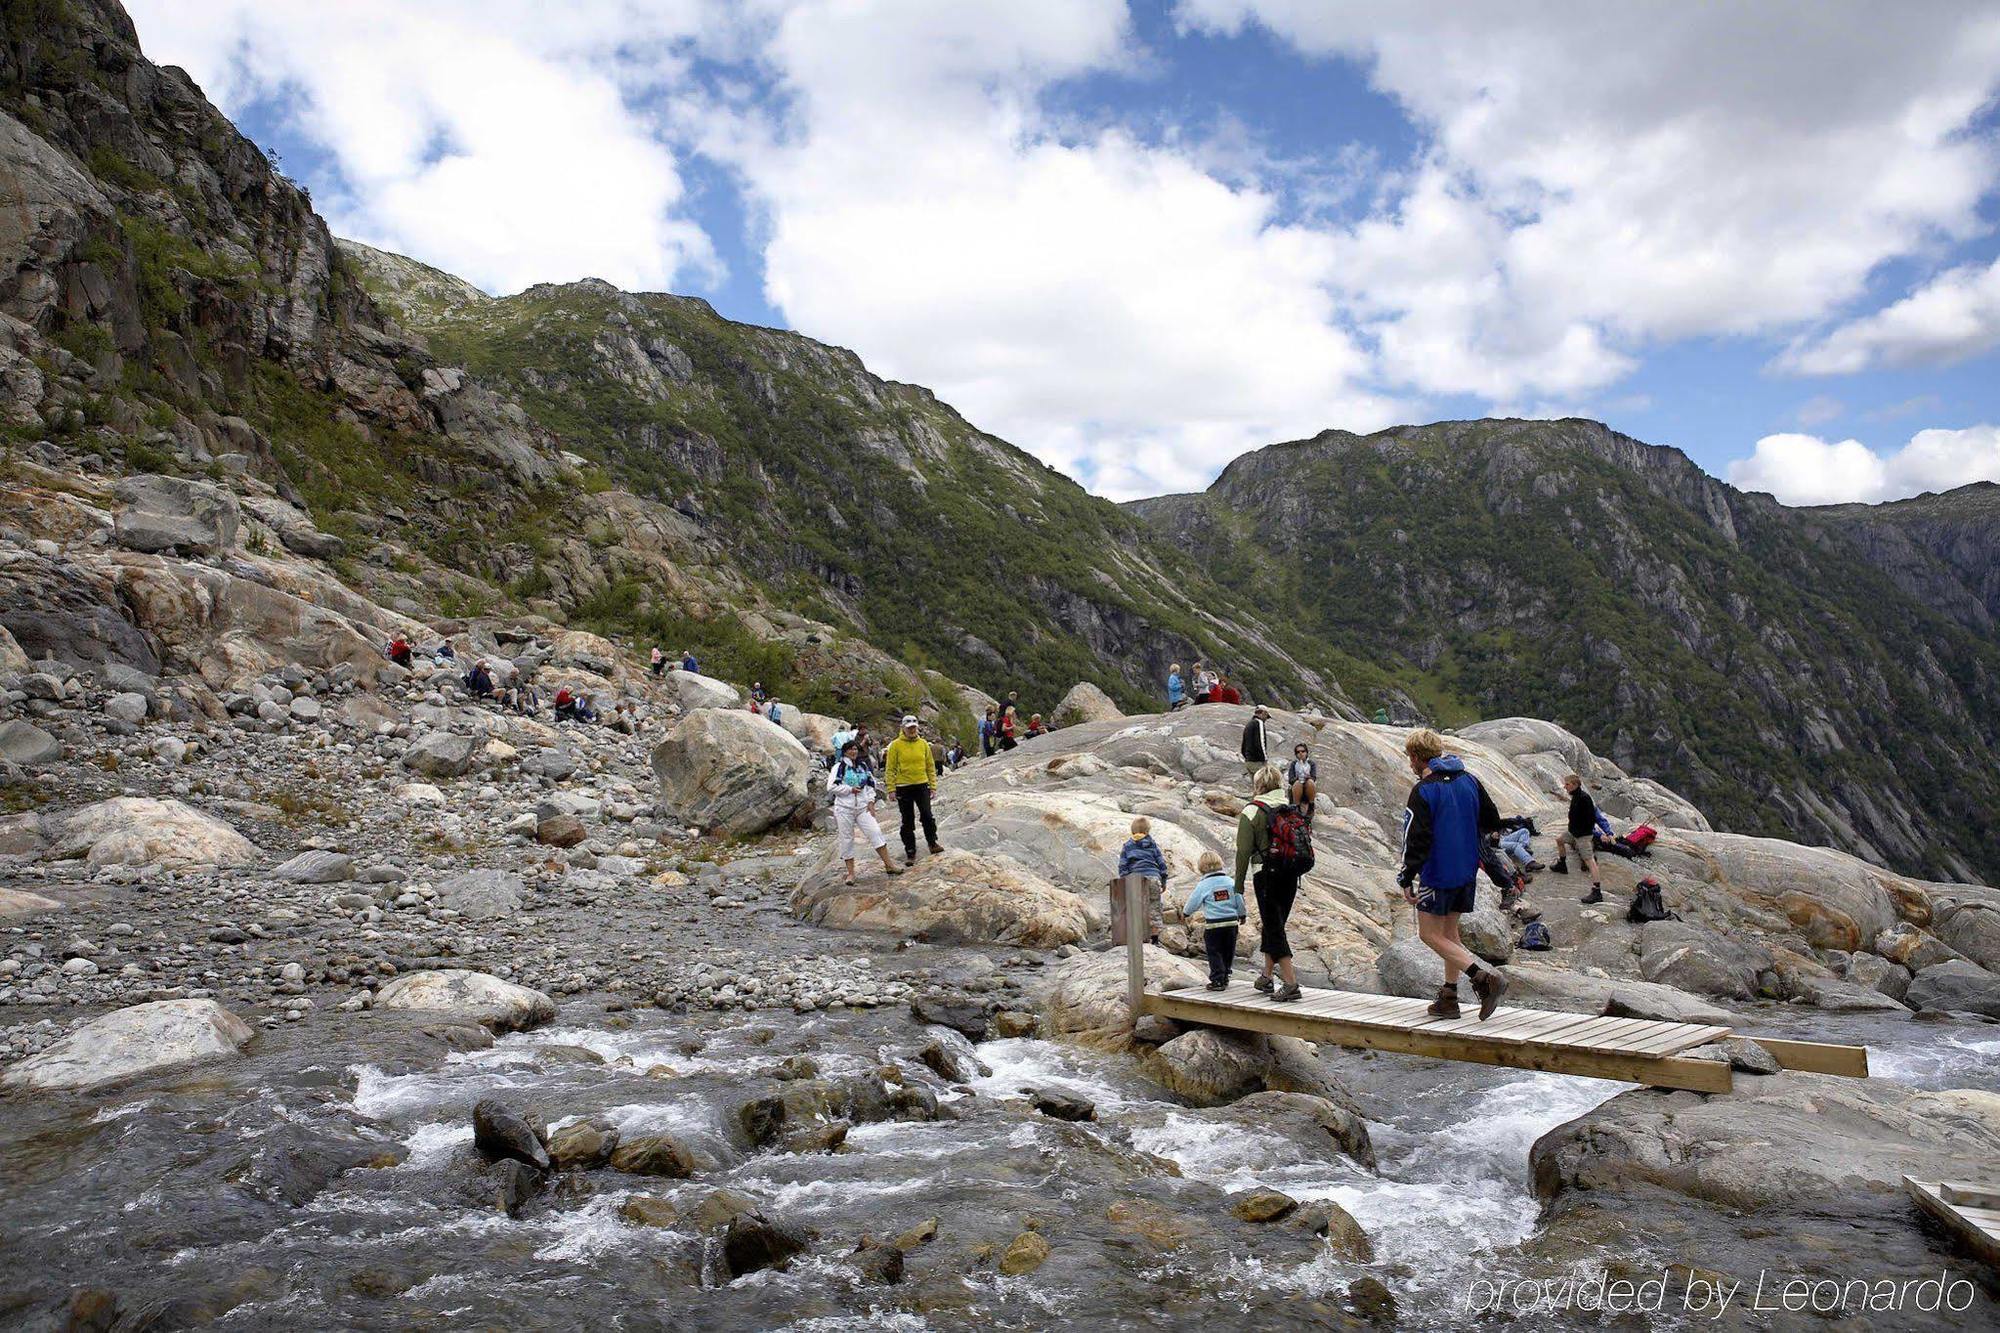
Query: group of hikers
[520, 694]
[1002, 728]
[1209, 687]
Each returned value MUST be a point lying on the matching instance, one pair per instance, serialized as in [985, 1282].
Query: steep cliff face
[1943, 549]
[1754, 656]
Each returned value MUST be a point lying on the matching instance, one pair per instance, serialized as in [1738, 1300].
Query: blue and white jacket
[1142, 856]
[1216, 898]
[1444, 823]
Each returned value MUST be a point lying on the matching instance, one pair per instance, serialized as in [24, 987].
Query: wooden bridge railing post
[1138, 920]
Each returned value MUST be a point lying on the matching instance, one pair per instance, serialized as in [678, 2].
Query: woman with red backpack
[1276, 835]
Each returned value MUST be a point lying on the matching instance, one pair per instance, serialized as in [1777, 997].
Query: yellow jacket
[909, 763]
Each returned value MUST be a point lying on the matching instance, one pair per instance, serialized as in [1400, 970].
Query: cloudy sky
[1140, 238]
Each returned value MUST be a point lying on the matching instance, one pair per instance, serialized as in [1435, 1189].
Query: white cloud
[496, 140]
[1600, 176]
[1806, 470]
[1102, 302]
[1951, 318]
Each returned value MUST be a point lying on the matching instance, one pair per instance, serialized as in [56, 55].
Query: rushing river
[221, 1196]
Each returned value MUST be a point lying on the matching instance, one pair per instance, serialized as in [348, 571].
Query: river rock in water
[499, 1005]
[499, 1132]
[134, 1040]
[1788, 1141]
[956, 897]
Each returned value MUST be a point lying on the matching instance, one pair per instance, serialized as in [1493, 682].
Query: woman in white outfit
[854, 791]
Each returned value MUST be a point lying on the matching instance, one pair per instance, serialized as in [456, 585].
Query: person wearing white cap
[912, 773]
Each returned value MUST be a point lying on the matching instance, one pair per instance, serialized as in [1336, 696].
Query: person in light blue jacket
[1176, 691]
[1218, 907]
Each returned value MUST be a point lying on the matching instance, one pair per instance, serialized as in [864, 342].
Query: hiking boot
[909, 858]
[1536, 867]
[1446, 1004]
[1288, 992]
[1596, 894]
[891, 870]
[1218, 985]
[936, 850]
[1262, 984]
[1489, 986]
[1559, 868]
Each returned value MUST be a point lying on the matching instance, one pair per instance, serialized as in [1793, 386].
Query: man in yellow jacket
[911, 772]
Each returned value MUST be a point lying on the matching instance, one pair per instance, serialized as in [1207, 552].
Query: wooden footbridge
[1631, 1050]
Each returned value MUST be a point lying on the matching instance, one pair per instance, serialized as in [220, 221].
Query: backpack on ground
[1535, 938]
[1640, 838]
[1291, 844]
[1648, 903]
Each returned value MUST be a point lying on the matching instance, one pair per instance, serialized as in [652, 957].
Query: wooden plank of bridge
[1633, 1050]
[1967, 1211]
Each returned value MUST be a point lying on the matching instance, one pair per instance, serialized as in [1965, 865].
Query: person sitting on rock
[854, 789]
[1517, 845]
[479, 680]
[1142, 856]
[688, 664]
[1218, 909]
[565, 705]
[399, 652]
[1176, 691]
[1225, 693]
[955, 755]
[528, 699]
[912, 774]
[757, 694]
[624, 718]
[1447, 816]
[1301, 778]
[586, 711]
[658, 664]
[1036, 727]
[1579, 836]
[775, 712]
[444, 652]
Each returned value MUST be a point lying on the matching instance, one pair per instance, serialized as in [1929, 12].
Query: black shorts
[1446, 902]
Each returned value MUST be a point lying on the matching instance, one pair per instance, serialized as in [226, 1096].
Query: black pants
[1274, 891]
[1219, 942]
[915, 800]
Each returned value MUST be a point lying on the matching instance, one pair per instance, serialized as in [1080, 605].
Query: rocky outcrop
[136, 1040]
[691, 691]
[731, 771]
[960, 897]
[1085, 703]
[475, 996]
[1749, 1150]
[173, 514]
[141, 831]
[28, 745]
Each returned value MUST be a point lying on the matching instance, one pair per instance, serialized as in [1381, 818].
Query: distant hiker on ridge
[989, 730]
[1176, 691]
[1447, 816]
[688, 664]
[658, 663]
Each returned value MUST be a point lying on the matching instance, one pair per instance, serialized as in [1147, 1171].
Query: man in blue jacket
[1448, 817]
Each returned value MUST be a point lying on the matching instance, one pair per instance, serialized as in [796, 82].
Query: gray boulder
[1960, 986]
[441, 754]
[293, 529]
[482, 894]
[316, 867]
[130, 707]
[1974, 930]
[1695, 958]
[1085, 703]
[731, 771]
[174, 514]
[1892, 979]
[1409, 968]
[26, 744]
[134, 1040]
[499, 1005]
[691, 691]
[1789, 1142]
[1488, 933]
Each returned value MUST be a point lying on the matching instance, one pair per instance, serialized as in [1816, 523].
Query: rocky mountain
[1829, 675]
[1944, 549]
[232, 443]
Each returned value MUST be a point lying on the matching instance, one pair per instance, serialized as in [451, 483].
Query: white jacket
[846, 796]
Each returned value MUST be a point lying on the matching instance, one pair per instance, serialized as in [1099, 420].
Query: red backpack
[1291, 848]
[1640, 838]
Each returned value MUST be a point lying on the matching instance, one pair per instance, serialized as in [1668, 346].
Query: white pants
[849, 820]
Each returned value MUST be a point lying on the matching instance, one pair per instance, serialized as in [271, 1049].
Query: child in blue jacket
[1142, 856]
[1219, 908]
